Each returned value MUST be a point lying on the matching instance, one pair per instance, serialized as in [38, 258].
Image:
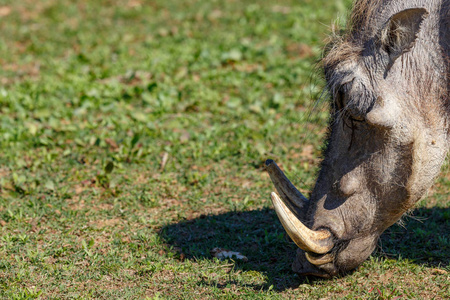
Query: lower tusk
[319, 241]
[319, 260]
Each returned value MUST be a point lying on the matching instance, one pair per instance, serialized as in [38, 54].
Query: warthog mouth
[303, 266]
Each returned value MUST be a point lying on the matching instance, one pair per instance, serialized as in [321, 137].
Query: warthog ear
[400, 32]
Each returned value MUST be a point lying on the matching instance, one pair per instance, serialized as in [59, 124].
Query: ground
[133, 137]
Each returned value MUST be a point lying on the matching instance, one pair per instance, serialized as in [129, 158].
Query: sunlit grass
[133, 135]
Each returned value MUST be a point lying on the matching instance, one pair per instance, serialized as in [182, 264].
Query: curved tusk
[319, 260]
[290, 195]
[319, 241]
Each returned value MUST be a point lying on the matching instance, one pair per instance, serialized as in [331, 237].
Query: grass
[133, 135]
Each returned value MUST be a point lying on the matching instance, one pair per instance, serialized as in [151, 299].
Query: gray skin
[389, 132]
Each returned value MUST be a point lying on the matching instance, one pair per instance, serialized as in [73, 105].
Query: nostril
[348, 185]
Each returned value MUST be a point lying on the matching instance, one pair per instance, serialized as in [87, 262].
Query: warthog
[389, 133]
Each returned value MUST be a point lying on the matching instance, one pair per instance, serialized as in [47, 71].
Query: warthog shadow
[422, 238]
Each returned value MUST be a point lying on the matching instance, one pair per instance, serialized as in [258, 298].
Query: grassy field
[133, 136]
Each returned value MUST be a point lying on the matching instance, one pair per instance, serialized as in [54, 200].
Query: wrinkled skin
[388, 134]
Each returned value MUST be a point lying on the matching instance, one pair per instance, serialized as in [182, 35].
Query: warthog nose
[348, 185]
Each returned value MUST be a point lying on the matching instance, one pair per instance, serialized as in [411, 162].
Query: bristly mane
[342, 43]
[363, 11]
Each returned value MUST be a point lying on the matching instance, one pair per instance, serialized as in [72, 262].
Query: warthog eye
[339, 100]
[342, 91]
[343, 104]
[345, 109]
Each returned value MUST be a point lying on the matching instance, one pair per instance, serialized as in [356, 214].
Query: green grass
[95, 94]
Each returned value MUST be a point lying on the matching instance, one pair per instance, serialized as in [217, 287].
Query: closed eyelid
[347, 85]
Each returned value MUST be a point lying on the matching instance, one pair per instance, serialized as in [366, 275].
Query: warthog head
[388, 134]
